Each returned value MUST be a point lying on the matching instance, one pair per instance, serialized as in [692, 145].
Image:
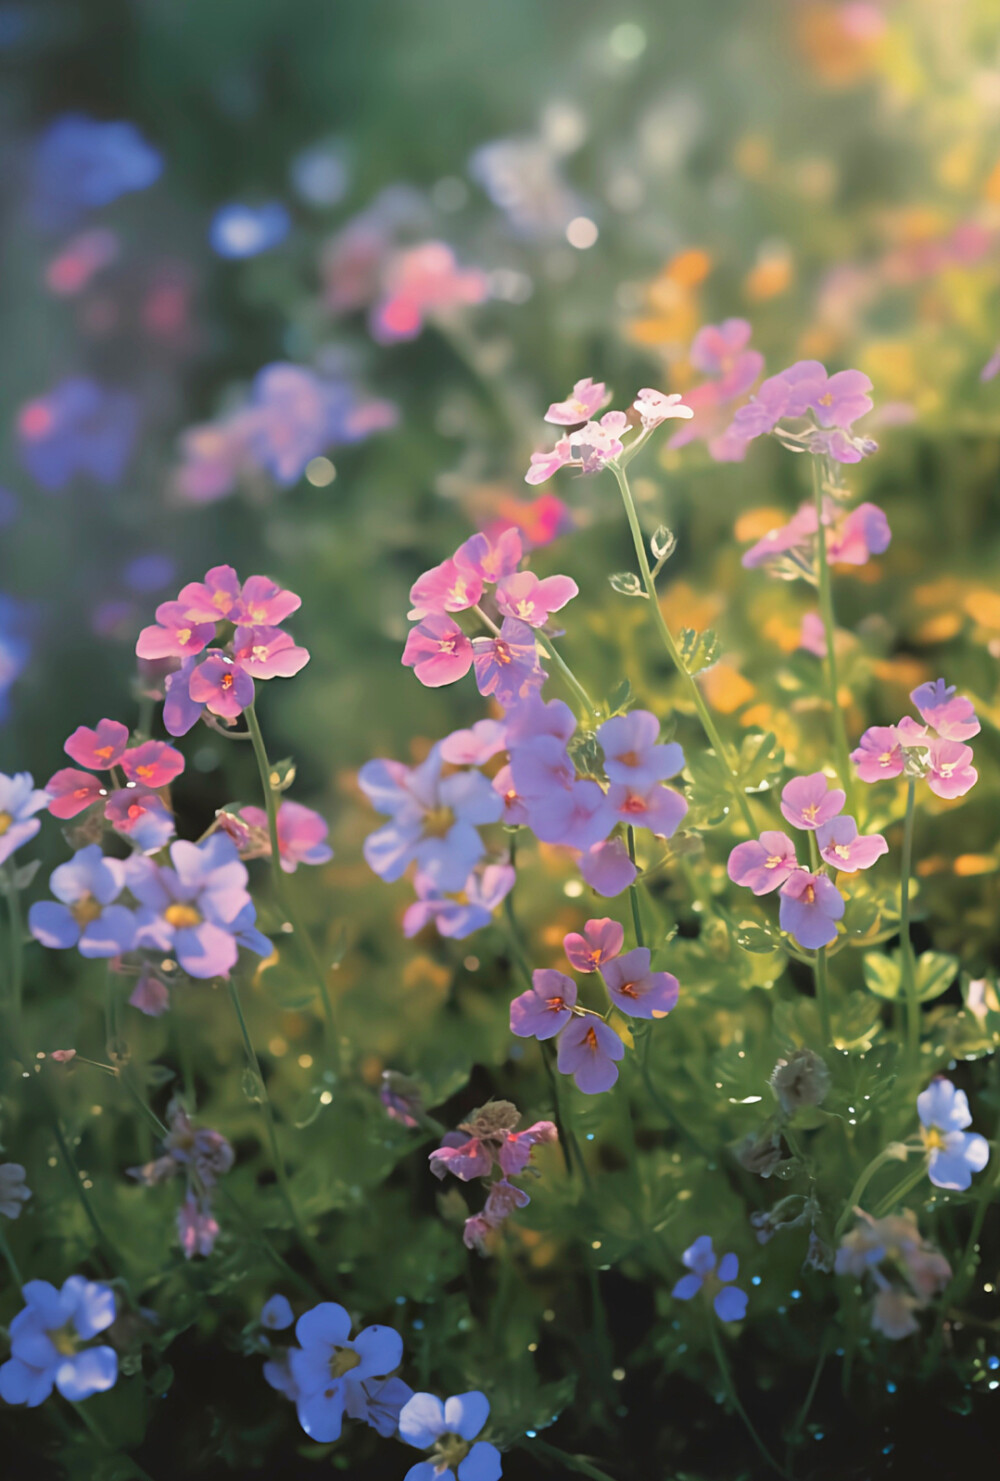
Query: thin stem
[900, 1191]
[15, 945]
[796, 1432]
[704, 715]
[830, 630]
[913, 1014]
[584, 700]
[730, 1387]
[634, 893]
[854, 1197]
[301, 934]
[8, 1255]
[823, 995]
[578, 1463]
[103, 1239]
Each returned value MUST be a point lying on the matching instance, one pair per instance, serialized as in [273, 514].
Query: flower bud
[801, 1080]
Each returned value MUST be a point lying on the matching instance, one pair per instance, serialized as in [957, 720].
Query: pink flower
[658, 808]
[438, 651]
[598, 443]
[213, 600]
[465, 1157]
[507, 665]
[262, 602]
[524, 596]
[477, 1233]
[475, 746]
[588, 396]
[150, 995]
[141, 816]
[221, 685]
[637, 991]
[951, 715]
[601, 940]
[654, 407]
[153, 764]
[607, 868]
[879, 754]
[544, 464]
[491, 559]
[301, 834]
[516, 1150]
[721, 350]
[763, 865]
[99, 749]
[420, 281]
[515, 811]
[196, 1227]
[450, 587]
[950, 773]
[842, 847]
[809, 801]
[72, 791]
[991, 369]
[502, 1200]
[62, 1056]
[268, 652]
[813, 634]
[842, 399]
[175, 634]
[864, 532]
[632, 753]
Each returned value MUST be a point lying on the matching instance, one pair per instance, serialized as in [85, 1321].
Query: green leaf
[620, 698]
[698, 650]
[882, 974]
[756, 938]
[936, 971]
[761, 762]
[627, 584]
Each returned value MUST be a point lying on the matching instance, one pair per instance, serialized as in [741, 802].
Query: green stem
[281, 890]
[578, 1463]
[103, 1239]
[11, 1263]
[913, 1014]
[796, 1432]
[820, 962]
[730, 1387]
[704, 715]
[634, 893]
[900, 1191]
[587, 705]
[16, 946]
[854, 1197]
[830, 629]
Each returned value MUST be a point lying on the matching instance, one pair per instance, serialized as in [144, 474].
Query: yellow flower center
[885, 759]
[933, 1139]
[449, 1452]
[772, 861]
[63, 1341]
[342, 1361]
[182, 916]
[438, 822]
[183, 635]
[842, 850]
[85, 911]
[5, 821]
[811, 811]
[809, 895]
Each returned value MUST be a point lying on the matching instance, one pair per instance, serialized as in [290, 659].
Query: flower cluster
[822, 409]
[851, 538]
[487, 1140]
[202, 1156]
[589, 1049]
[14, 1191]
[422, 283]
[51, 1343]
[881, 1248]
[715, 1277]
[811, 904]
[221, 635]
[720, 352]
[301, 834]
[943, 760]
[590, 445]
[137, 809]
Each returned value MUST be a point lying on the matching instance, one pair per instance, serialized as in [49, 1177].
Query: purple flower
[82, 163]
[473, 747]
[546, 1007]
[810, 906]
[635, 990]
[47, 1343]
[763, 864]
[950, 772]
[851, 539]
[80, 427]
[14, 1191]
[716, 1277]
[721, 350]
[607, 868]
[83, 913]
[658, 808]
[196, 906]
[577, 816]
[221, 685]
[842, 847]
[451, 586]
[524, 596]
[632, 755]
[20, 800]
[449, 1431]
[485, 888]
[842, 399]
[953, 1153]
[330, 1368]
[589, 1051]
[507, 665]
[433, 823]
[142, 817]
[438, 651]
[601, 940]
[534, 717]
[951, 715]
[465, 1157]
[809, 801]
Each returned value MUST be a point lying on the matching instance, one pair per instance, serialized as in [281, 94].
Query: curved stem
[15, 945]
[584, 700]
[578, 1463]
[854, 1197]
[909, 971]
[901, 1189]
[704, 715]
[730, 1387]
[8, 1255]
[830, 630]
[301, 934]
[633, 893]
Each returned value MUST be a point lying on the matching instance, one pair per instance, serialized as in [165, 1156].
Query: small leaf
[627, 584]
[663, 543]
[698, 650]
[282, 774]
[936, 971]
[620, 698]
[26, 874]
[882, 975]
[756, 938]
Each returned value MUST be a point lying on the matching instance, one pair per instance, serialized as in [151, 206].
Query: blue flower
[276, 1314]
[20, 800]
[953, 1153]
[84, 913]
[78, 427]
[449, 1429]
[716, 1276]
[81, 163]
[15, 649]
[331, 1370]
[47, 1343]
[245, 231]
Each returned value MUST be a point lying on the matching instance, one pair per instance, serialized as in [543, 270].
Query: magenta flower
[465, 1157]
[763, 864]
[879, 754]
[721, 350]
[545, 464]
[449, 587]
[267, 653]
[507, 665]
[216, 599]
[809, 801]
[175, 634]
[221, 686]
[420, 282]
[655, 408]
[951, 715]
[601, 940]
[607, 868]
[197, 1227]
[98, 749]
[587, 397]
[546, 1007]
[472, 747]
[524, 596]
[502, 1200]
[635, 990]
[301, 834]
[842, 399]
[142, 817]
[438, 651]
[863, 533]
[950, 772]
[262, 602]
[658, 808]
[515, 1151]
[632, 754]
[589, 1051]
[811, 905]
[491, 559]
[153, 764]
[20, 800]
[69, 792]
[843, 848]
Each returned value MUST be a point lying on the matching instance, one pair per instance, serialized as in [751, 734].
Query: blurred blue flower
[245, 231]
[15, 649]
[46, 1343]
[716, 1276]
[81, 163]
[320, 174]
[78, 427]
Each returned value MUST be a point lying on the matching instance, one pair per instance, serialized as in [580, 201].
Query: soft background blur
[623, 174]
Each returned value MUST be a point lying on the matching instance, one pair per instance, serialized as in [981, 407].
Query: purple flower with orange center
[809, 801]
[637, 991]
[507, 664]
[811, 905]
[763, 864]
[589, 1051]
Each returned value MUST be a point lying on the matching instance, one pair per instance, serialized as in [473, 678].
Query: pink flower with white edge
[438, 651]
[268, 652]
[174, 635]
[153, 764]
[524, 596]
[809, 801]
[100, 748]
[598, 443]
[221, 685]
[637, 991]
[263, 603]
[70, 792]
[545, 464]
[601, 940]
[301, 834]
[491, 559]
[950, 770]
[763, 864]
[844, 848]
[654, 407]
[451, 586]
[951, 715]
[587, 397]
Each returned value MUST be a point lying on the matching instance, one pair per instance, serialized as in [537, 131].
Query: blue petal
[424, 1470]
[731, 1304]
[21, 1384]
[421, 1420]
[277, 1313]
[53, 925]
[700, 1257]
[321, 1414]
[729, 1268]
[687, 1287]
[380, 1350]
[466, 1414]
[481, 1464]
[90, 1372]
